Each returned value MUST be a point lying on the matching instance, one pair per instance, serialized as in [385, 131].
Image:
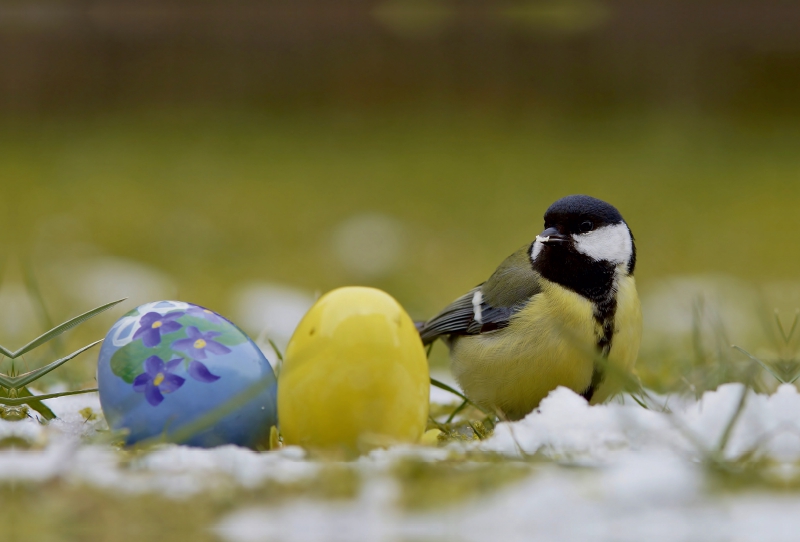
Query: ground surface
[611, 473]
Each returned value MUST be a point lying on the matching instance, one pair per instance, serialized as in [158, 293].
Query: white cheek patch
[537, 248]
[609, 243]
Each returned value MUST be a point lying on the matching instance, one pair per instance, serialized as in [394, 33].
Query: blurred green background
[247, 156]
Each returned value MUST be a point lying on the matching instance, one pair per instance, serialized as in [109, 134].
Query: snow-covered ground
[643, 497]
[616, 472]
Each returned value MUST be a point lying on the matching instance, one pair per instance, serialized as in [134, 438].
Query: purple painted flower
[200, 372]
[198, 342]
[158, 379]
[153, 325]
[205, 314]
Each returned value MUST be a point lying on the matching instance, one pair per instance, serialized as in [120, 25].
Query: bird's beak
[551, 235]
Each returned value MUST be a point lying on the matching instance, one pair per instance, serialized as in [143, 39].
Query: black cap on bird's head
[574, 212]
[584, 243]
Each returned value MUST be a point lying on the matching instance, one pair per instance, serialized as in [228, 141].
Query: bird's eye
[587, 226]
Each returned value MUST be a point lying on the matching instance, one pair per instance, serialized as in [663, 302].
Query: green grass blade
[6, 381]
[58, 330]
[453, 414]
[794, 326]
[35, 293]
[639, 402]
[445, 387]
[278, 364]
[37, 405]
[7, 353]
[726, 435]
[276, 349]
[440, 426]
[763, 365]
[25, 379]
[16, 401]
[786, 336]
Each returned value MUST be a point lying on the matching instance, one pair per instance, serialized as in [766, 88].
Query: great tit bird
[561, 311]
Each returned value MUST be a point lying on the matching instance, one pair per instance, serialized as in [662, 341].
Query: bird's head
[585, 239]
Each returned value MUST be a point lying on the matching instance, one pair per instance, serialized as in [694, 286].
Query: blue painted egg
[181, 373]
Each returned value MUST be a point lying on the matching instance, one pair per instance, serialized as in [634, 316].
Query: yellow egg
[430, 437]
[355, 375]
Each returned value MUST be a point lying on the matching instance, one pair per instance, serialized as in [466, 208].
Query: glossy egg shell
[182, 373]
[355, 374]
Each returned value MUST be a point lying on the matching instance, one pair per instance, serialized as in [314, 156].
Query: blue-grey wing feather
[455, 318]
[459, 318]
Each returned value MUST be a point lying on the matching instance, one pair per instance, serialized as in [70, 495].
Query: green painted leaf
[230, 334]
[128, 362]
[230, 338]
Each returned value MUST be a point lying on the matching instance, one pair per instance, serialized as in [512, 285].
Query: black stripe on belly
[604, 314]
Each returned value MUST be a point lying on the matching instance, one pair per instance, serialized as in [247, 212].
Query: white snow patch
[63, 448]
[566, 427]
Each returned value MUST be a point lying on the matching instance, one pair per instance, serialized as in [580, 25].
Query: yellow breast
[550, 343]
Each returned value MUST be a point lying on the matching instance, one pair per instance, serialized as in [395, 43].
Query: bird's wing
[489, 306]
[455, 318]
